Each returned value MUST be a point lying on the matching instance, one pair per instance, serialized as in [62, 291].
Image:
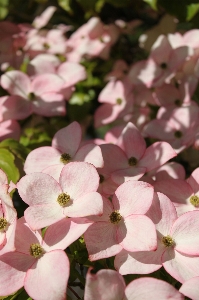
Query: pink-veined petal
[63, 233]
[41, 158]
[100, 239]
[185, 233]
[48, 277]
[16, 83]
[78, 179]
[156, 155]
[137, 233]
[13, 268]
[106, 284]
[40, 216]
[180, 266]
[133, 197]
[90, 153]
[68, 139]
[151, 288]
[190, 288]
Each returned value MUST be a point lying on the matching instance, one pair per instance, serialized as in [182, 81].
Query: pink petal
[137, 233]
[25, 237]
[132, 142]
[151, 288]
[40, 216]
[16, 107]
[106, 284]
[156, 155]
[65, 232]
[13, 267]
[42, 20]
[180, 266]
[133, 197]
[49, 104]
[142, 262]
[185, 233]
[48, 277]
[90, 153]
[41, 158]
[78, 179]
[70, 133]
[46, 83]
[16, 83]
[190, 288]
[72, 73]
[100, 239]
[38, 189]
[86, 205]
[131, 173]
[54, 171]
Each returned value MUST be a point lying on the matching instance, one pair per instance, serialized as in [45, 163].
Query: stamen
[63, 199]
[3, 223]
[168, 241]
[65, 158]
[178, 134]
[194, 200]
[119, 101]
[36, 250]
[163, 65]
[115, 217]
[132, 161]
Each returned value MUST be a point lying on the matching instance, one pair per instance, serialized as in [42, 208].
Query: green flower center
[168, 241]
[178, 134]
[132, 161]
[194, 200]
[46, 46]
[3, 223]
[61, 57]
[115, 217]
[63, 199]
[36, 250]
[65, 158]
[119, 101]
[163, 66]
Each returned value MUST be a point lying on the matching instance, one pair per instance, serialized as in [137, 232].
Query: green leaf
[87, 4]
[3, 8]
[192, 10]
[8, 166]
[119, 3]
[152, 3]
[65, 4]
[15, 147]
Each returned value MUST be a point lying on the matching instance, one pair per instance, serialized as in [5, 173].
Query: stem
[70, 288]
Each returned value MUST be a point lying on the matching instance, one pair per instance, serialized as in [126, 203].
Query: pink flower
[49, 201]
[65, 148]
[123, 224]
[40, 264]
[41, 95]
[108, 284]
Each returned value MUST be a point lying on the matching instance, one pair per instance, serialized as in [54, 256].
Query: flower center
[63, 199]
[194, 200]
[163, 65]
[119, 101]
[168, 241]
[31, 96]
[3, 223]
[36, 250]
[115, 217]
[178, 102]
[61, 57]
[132, 161]
[178, 134]
[46, 46]
[65, 158]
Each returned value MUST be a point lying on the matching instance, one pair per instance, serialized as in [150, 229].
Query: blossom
[49, 201]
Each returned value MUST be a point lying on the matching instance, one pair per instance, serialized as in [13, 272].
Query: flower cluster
[133, 209]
